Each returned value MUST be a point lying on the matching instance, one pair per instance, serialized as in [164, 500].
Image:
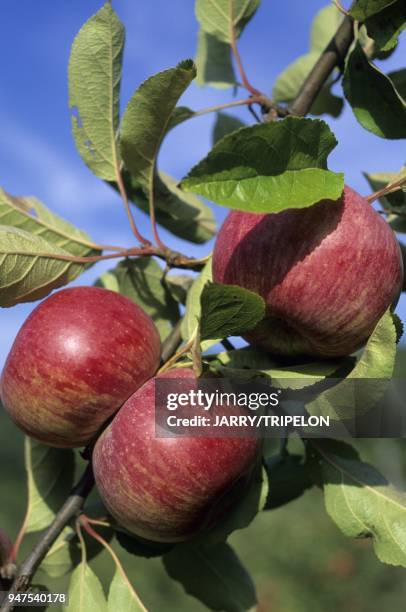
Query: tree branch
[171, 343]
[68, 511]
[333, 56]
[173, 259]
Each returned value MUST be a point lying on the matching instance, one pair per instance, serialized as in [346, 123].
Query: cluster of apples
[86, 355]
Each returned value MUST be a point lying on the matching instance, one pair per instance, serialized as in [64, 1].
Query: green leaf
[63, 555]
[249, 363]
[288, 478]
[183, 214]
[122, 596]
[242, 510]
[147, 117]
[94, 91]
[290, 81]
[375, 102]
[228, 310]
[367, 382]
[386, 26]
[397, 223]
[225, 124]
[85, 591]
[362, 9]
[140, 547]
[180, 115]
[324, 27]
[398, 78]
[193, 307]
[393, 202]
[213, 575]
[269, 167]
[30, 215]
[50, 473]
[213, 62]
[30, 268]
[362, 502]
[141, 280]
[218, 16]
[179, 285]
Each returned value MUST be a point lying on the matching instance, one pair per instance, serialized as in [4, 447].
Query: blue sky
[37, 153]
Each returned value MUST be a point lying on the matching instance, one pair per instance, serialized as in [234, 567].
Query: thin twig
[152, 217]
[68, 511]
[333, 55]
[236, 53]
[172, 258]
[389, 188]
[220, 107]
[124, 197]
[340, 7]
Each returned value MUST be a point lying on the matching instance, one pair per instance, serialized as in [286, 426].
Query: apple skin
[327, 273]
[80, 354]
[168, 489]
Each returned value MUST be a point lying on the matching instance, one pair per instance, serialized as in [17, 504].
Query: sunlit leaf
[94, 91]
[218, 16]
[361, 501]
[50, 473]
[122, 595]
[85, 591]
[30, 215]
[367, 382]
[30, 268]
[141, 280]
[147, 118]
[269, 167]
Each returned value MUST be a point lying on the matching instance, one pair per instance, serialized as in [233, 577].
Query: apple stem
[182, 351]
[389, 188]
[196, 352]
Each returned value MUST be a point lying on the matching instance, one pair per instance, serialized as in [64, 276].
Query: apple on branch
[80, 354]
[168, 489]
[327, 273]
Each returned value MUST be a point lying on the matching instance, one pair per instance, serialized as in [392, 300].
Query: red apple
[167, 489]
[80, 354]
[327, 273]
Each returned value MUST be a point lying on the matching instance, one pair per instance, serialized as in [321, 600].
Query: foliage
[277, 164]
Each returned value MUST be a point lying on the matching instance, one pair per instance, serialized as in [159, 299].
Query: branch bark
[68, 511]
[333, 56]
[171, 343]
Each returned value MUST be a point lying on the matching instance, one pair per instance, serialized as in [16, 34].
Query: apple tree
[299, 291]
